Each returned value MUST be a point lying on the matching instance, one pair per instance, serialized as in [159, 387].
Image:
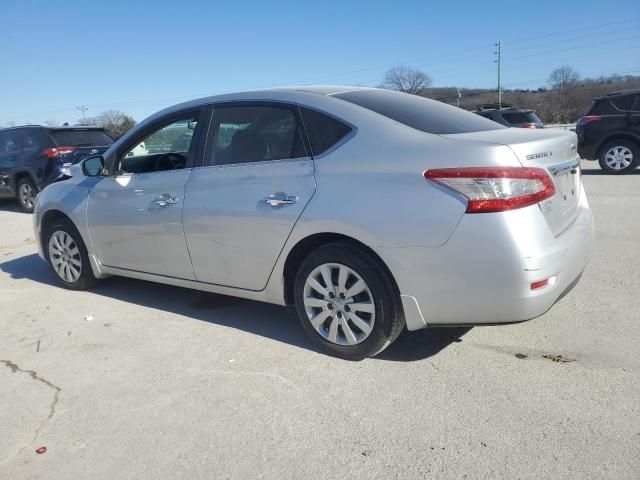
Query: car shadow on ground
[10, 205]
[267, 320]
[599, 171]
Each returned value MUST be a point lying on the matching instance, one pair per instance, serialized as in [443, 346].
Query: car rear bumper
[586, 150]
[483, 274]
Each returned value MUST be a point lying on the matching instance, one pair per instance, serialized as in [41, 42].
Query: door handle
[165, 200]
[279, 199]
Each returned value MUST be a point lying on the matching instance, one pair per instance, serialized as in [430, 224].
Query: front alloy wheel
[68, 256]
[65, 256]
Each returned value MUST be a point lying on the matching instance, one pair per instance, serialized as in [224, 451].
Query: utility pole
[83, 109]
[498, 52]
[459, 95]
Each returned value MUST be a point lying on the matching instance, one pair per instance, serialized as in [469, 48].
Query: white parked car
[369, 210]
[138, 150]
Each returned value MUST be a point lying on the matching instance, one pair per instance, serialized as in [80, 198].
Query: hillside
[545, 102]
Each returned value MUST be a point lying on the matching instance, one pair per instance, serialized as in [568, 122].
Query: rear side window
[520, 117]
[602, 107]
[624, 103]
[248, 133]
[323, 131]
[420, 113]
[81, 138]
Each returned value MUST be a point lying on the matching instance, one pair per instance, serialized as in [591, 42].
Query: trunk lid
[553, 150]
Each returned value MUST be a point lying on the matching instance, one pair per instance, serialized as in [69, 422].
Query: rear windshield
[418, 112]
[81, 138]
[520, 117]
[602, 107]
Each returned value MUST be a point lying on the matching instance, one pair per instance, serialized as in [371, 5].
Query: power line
[448, 66]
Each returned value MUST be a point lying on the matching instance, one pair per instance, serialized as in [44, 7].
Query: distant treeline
[551, 105]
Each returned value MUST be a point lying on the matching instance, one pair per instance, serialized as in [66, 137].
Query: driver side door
[135, 215]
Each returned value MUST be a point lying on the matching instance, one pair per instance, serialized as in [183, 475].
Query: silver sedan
[369, 210]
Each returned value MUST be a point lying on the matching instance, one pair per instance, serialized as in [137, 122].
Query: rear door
[241, 205]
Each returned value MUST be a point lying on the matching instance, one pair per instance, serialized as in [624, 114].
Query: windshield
[520, 117]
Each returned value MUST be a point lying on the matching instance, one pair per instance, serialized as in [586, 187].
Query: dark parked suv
[33, 156]
[509, 115]
[610, 132]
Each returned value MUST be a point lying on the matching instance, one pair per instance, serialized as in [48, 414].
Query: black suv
[33, 156]
[510, 116]
[610, 132]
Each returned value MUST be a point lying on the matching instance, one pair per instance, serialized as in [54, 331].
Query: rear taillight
[496, 189]
[588, 119]
[528, 125]
[55, 151]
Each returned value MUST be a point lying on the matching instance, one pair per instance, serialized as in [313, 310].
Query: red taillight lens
[528, 125]
[55, 151]
[589, 119]
[496, 189]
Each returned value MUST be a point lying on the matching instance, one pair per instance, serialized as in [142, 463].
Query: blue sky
[142, 56]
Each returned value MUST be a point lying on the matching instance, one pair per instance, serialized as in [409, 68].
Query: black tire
[623, 143]
[26, 192]
[389, 317]
[86, 279]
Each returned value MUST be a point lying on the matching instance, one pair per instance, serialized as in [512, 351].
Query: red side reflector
[539, 284]
[528, 125]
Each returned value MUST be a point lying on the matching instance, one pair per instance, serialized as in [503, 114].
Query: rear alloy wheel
[68, 257]
[619, 157]
[347, 302]
[341, 315]
[27, 194]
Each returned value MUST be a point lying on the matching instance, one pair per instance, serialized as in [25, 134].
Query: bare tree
[563, 81]
[563, 78]
[115, 122]
[407, 80]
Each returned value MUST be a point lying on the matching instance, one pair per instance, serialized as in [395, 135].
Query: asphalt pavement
[136, 380]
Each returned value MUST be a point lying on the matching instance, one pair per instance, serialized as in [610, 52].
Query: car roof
[504, 109]
[66, 127]
[621, 93]
[325, 90]
[291, 94]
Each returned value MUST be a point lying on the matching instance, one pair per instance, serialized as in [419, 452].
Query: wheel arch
[617, 136]
[48, 218]
[308, 244]
[18, 175]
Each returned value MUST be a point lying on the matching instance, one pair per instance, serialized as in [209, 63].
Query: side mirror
[93, 166]
[192, 124]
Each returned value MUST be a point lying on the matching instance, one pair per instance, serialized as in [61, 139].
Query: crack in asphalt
[52, 407]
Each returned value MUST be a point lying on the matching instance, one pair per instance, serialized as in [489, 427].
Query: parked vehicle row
[610, 132]
[509, 116]
[32, 156]
[370, 210]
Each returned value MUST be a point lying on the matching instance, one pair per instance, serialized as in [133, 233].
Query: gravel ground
[170, 383]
